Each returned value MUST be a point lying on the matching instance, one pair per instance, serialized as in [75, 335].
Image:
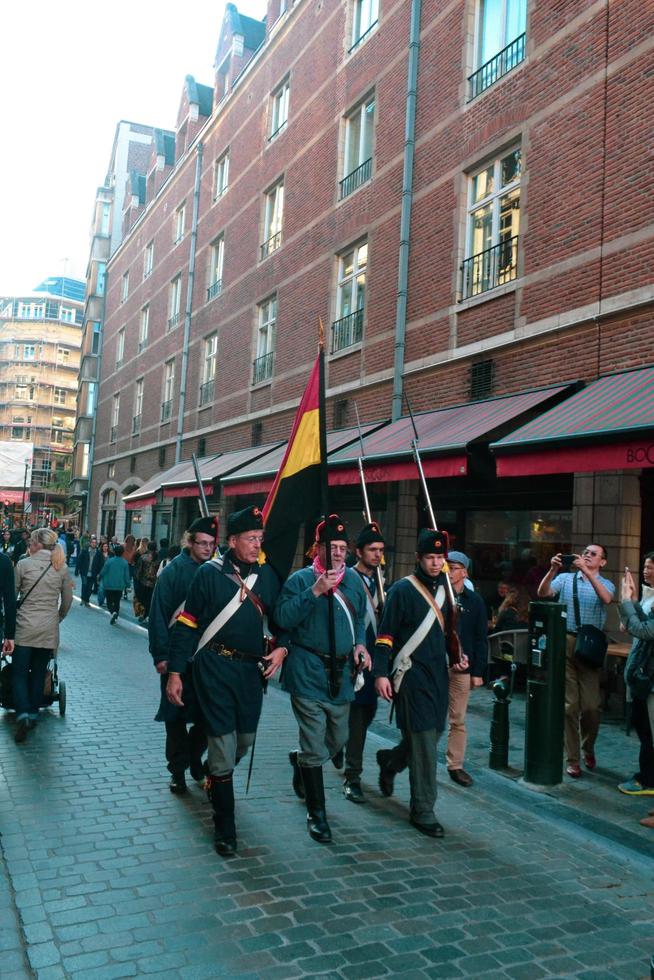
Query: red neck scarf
[318, 570]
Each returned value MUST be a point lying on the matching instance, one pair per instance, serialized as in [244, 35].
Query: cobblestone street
[106, 874]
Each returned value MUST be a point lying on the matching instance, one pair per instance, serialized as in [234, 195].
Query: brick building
[462, 193]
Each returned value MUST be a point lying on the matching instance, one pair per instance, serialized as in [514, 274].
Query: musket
[379, 578]
[202, 500]
[452, 641]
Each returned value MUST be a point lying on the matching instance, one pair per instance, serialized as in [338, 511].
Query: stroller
[54, 690]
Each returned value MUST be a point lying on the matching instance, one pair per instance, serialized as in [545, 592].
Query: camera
[567, 560]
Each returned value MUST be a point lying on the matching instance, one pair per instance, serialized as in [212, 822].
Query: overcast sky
[69, 71]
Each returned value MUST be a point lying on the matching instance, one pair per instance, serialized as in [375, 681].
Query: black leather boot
[298, 785]
[221, 794]
[315, 796]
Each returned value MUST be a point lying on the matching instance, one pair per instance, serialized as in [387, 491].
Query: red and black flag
[296, 494]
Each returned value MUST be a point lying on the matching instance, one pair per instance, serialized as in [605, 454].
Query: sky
[70, 70]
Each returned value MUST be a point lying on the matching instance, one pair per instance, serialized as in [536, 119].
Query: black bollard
[499, 730]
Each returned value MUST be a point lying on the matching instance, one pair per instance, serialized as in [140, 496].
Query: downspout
[189, 305]
[407, 201]
[98, 375]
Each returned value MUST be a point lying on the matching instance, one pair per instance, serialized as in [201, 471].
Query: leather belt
[325, 657]
[231, 654]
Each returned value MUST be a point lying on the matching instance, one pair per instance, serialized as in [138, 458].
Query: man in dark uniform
[370, 555]
[224, 617]
[411, 633]
[183, 748]
[320, 707]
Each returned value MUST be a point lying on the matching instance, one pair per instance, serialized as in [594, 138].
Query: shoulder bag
[591, 643]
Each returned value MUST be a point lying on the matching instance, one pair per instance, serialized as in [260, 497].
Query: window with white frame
[144, 327]
[105, 219]
[124, 287]
[101, 280]
[57, 436]
[175, 301]
[31, 311]
[493, 225]
[115, 415]
[266, 330]
[60, 396]
[25, 392]
[347, 329]
[63, 355]
[178, 228]
[84, 464]
[26, 352]
[209, 358]
[221, 175]
[120, 347]
[18, 432]
[279, 109]
[67, 314]
[168, 389]
[499, 41]
[148, 260]
[91, 397]
[138, 407]
[272, 219]
[216, 260]
[359, 139]
[364, 20]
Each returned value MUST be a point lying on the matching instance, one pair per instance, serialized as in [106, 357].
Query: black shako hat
[248, 519]
[205, 525]
[330, 529]
[432, 542]
[369, 534]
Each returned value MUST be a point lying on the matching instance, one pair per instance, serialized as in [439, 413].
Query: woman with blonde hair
[45, 594]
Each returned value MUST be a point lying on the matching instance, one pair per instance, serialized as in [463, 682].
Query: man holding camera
[575, 581]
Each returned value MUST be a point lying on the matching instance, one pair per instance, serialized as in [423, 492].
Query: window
[162, 457]
[366, 15]
[481, 379]
[63, 355]
[95, 339]
[263, 365]
[60, 396]
[111, 470]
[208, 369]
[31, 311]
[138, 407]
[148, 260]
[84, 470]
[25, 393]
[20, 432]
[143, 328]
[175, 302]
[499, 42]
[359, 133]
[57, 436]
[279, 109]
[105, 219]
[492, 225]
[101, 281]
[67, 314]
[272, 220]
[120, 347]
[347, 329]
[216, 260]
[178, 232]
[221, 176]
[115, 414]
[168, 389]
[202, 447]
[28, 352]
[91, 397]
[124, 287]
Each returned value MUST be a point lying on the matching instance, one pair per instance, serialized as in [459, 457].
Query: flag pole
[324, 501]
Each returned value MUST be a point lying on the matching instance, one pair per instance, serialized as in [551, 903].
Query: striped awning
[212, 471]
[608, 425]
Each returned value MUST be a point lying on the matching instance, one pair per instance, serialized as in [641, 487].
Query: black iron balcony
[113, 433]
[173, 321]
[136, 425]
[271, 245]
[206, 393]
[166, 410]
[362, 37]
[263, 368]
[347, 331]
[215, 289]
[490, 268]
[504, 62]
[356, 178]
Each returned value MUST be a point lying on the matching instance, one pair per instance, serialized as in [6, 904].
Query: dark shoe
[590, 760]
[428, 829]
[386, 774]
[338, 759]
[315, 796]
[177, 784]
[226, 848]
[298, 785]
[221, 794]
[460, 777]
[352, 791]
[197, 770]
[114, 617]
[22, 728]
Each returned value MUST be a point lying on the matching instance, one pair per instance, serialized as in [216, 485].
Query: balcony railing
[206, 392]
[490, 268]
[173, 321]
[271, 245]
[356, 178]
[215, 289]
[347, 331]
[166, 410]
[136, 425]
[142, 344]
[504, 62]
[113, 433]
[263, 368]
[362, 37]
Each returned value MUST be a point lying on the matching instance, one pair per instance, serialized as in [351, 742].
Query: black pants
[113, 597]
[642, 727]
[183, 745]
[359, 721]
[88, 582]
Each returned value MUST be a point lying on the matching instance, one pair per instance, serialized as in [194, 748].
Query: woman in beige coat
[45, 594]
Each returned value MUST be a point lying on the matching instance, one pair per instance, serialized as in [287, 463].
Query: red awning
[138, 504]
[14, 496]
[391, 472]
[188, 491]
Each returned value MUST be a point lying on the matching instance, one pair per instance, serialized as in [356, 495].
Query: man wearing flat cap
[370, 555]
[225, 619]
[319, 679]
[184, 747]
[411, 668]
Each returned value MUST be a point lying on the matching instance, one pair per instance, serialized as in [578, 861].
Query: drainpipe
[189, 305]
[405, 215]
[98, 375]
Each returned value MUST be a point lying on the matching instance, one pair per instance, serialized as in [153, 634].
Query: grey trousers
[360, 717]
[418, 751]
[323, 729]
[226, 751]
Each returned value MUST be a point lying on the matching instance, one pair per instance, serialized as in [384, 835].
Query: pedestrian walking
[45, 594]
[8, 604]
[145, 578]
[84, 568]
[7, 547]
[102, 554]
[20, 548]
[114, 577]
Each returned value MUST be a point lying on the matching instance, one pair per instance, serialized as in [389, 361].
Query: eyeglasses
[592, 554]
[253, 538]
